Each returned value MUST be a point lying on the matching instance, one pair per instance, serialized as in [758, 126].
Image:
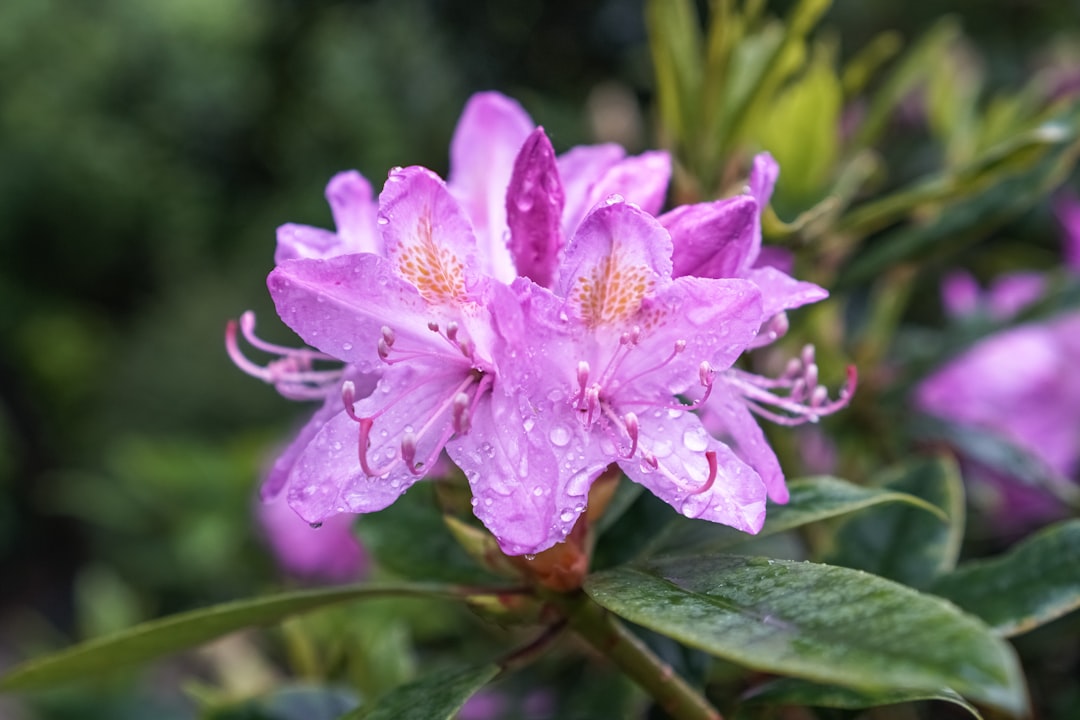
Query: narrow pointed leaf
[791, 691]
[812, 500]
[437, 696]
[900, 542]
[156, 638]
[1032, 584]
[821, 623]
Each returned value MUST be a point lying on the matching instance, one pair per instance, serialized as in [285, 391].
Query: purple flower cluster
[1019, 384]
[538, 319]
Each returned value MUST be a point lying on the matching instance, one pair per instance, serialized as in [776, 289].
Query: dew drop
[528, 425]
[559, 436]
[346, 346]
[530, 557]
[695, 440]
[538, 491]
[315, 526]
[566, 516]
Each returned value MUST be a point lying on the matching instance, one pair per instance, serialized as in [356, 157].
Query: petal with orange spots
[427, 236]
[619, 257]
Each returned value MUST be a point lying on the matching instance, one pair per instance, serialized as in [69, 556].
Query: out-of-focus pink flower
[330, 552]
[1019, 384]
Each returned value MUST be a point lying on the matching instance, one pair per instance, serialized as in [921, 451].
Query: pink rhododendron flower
[608, 353]
[1019, 384]
[439, 347]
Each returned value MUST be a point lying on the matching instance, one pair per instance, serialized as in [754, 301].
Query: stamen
[806, 401]
[583, 381]
[384, 349]
[364, 443]
[388, 336]
[710, 457]
[291, 374]
[592, 403]
[433, 326]
[451, 331]
[348, 397]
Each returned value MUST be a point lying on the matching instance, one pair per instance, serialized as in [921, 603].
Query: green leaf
[792, 691]
[410, 539]
[153, 639]
[904, 544]
[1035, 582]
[437, 696]
[812, 499]
[826, 624]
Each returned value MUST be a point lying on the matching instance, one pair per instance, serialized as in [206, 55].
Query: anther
[582, 379]
[383, 349]
[650, 460]
[680, 345]
[348, 397]
[433, 326]
[451, 331]
[408, 452]
[592, 403]
[388, 336]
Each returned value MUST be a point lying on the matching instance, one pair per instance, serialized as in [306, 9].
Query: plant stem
[610, 638]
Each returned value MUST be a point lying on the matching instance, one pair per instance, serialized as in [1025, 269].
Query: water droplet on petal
[559, 436]
[695, 439]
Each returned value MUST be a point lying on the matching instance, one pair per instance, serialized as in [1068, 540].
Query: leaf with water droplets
[812, 500]
[817, 622]
[1035, 582]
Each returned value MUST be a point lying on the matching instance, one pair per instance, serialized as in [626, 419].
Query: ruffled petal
[354, 208]
[427, 237]
[712, 239]
[619, 256]
[730, 421]
[514, 477]
[780, 291]
[732, 494]
[329, 477]
[488, 137]
[303, 241]
[534, 205]
[279, 471]
[340, 306]
[581, 168]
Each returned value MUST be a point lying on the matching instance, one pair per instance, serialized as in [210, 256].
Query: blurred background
[148, 151]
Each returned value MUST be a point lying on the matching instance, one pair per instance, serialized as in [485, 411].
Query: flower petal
[580, 168]
[340, 305]
[734, 496]
[730, 421]
[514, 477]
[780, 291]
[534, 205]
[427, 236]
[712, 239]
[763, 175]
[354, 208]
[488, 137]
[329, 478]
[619, 256]
[283, 464]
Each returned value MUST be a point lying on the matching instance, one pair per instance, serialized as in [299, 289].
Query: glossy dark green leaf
[410, 539]
[437, 696]
[818, 622]
[903, 543]
[812, 499]
[1035, 582]
[793, 691]
[160, 637]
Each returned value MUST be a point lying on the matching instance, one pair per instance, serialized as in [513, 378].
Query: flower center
[459, 389]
